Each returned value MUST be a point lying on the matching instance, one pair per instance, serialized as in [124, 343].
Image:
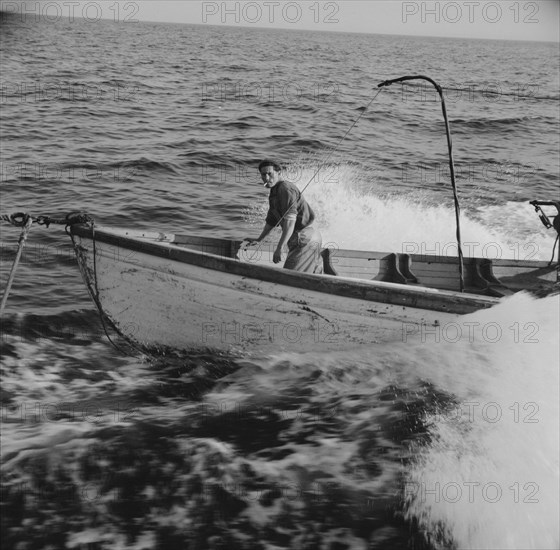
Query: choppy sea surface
[438, 440]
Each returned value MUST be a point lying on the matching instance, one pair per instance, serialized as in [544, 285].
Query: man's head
[270, 172]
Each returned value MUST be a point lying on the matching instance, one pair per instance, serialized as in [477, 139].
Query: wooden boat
[162, 290]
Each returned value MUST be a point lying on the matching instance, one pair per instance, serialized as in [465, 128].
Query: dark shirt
[285, 200]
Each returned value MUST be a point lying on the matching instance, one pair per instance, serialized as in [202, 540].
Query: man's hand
[249, 241]
[243, 253]
[277, 256]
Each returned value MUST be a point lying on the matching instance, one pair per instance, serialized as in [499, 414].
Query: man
[289, 210]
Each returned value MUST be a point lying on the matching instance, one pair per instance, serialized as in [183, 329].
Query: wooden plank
[342, 253]
[430, 270]
[367, 272]
[525, 264]
[350, 262]
[356, 272]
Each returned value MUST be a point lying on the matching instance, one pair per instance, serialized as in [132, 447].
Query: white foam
[354, 213]
[491, 473]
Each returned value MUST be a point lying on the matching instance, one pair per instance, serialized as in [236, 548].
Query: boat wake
[489, 476]
[463, 419]
[439, 438]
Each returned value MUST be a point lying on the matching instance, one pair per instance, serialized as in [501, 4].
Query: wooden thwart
[433, 271]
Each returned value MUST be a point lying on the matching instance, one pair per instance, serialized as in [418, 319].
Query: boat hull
[161, 295]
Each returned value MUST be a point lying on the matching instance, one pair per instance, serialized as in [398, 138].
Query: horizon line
[6, 15]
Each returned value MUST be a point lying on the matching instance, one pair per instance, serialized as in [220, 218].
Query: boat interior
[483, 276]
[492, 277]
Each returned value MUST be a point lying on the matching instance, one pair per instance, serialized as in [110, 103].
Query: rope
[27, 221]
[23, 220]
[554, 250]
[100, 307]
[474, 90]
[479, 91]
[341, 140]
[547, 223]
[19, 219]
[94, 288]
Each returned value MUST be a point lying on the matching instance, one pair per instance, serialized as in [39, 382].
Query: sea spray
[354, 212]
[468, 409]
[488, 478]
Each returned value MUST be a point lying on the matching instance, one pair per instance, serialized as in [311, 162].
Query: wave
[489, 474]
[354, 210]
[148, 165]
[67, 325]
[495, 123]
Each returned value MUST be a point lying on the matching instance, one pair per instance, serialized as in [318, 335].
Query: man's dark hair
[269, 162]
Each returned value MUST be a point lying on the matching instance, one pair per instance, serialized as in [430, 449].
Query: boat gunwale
[181, 240]
[363, 289]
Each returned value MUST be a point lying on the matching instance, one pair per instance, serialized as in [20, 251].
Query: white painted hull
[167, 300]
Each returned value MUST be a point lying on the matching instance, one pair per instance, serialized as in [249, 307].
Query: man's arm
[266, 230]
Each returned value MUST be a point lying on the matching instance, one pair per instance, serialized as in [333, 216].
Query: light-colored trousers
[305, 251]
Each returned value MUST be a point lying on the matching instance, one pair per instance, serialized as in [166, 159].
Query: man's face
[269, 176]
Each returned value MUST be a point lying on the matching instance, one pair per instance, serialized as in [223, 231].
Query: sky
[503, 19]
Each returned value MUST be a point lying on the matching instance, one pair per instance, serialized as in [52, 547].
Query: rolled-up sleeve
[283, 205]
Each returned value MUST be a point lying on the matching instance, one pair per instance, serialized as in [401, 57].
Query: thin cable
[332, 151]
[327, 158]
[342, 139]
[100, 307]
[554, 250]
[492, 92]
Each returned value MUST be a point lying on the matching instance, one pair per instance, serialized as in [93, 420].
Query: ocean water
[439, 440]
